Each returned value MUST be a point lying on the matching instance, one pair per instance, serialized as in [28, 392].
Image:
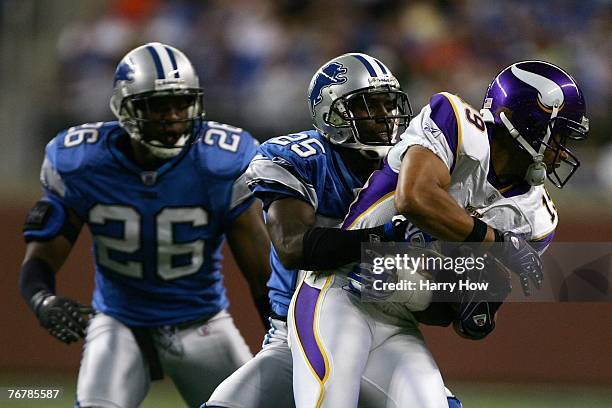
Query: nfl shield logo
[148, 177]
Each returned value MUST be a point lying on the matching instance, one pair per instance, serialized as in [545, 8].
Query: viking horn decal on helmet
[549, 93]
[542, 107]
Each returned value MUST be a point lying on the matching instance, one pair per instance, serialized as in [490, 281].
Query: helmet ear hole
[334, 118]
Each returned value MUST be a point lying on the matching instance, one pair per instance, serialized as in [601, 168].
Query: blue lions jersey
[305, 166]
[157, 234]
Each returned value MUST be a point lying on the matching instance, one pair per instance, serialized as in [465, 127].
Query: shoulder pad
[436, 128]
[297, 149]
[463, 127]
[293, 163]
[70, 151]
[72, 148]
[444, 114]
[224, 150]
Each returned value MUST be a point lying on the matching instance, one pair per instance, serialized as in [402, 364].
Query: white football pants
[114, 373]
[340, 344]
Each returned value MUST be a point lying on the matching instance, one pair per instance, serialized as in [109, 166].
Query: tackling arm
[288, 220]
[301, 245]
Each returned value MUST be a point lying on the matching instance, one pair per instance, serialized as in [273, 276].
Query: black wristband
[479, 231]
[38, 299]
[498, 235]
[35, 276]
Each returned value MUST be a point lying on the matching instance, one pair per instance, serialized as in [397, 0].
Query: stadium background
[255, 58]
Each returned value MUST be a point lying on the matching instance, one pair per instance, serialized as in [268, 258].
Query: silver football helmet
[157, 98]
[356, 102]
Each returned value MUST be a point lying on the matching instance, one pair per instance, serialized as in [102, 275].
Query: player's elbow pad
[47, 219]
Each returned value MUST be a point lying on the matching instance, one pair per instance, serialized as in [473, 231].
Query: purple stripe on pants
[305, 306]
[381, 182]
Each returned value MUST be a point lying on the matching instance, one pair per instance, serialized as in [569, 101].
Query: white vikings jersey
[334, 337]
[455, 132]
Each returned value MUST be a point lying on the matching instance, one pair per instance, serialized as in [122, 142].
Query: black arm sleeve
[35, 276]
[329, 248]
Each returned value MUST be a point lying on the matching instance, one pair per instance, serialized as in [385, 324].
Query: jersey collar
[148, 177]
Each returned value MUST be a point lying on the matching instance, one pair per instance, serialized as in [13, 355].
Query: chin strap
[536, 172]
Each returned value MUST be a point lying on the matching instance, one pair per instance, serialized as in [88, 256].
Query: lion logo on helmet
[124, 72]
[331, 74]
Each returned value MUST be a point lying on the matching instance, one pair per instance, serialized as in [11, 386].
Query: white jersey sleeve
[531, 214]
[447, 126]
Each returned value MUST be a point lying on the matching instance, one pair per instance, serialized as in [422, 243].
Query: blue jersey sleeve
[227, 152]
[69, 154]
[289, 166]
[51, 216]
[66, 156]
[51, 176]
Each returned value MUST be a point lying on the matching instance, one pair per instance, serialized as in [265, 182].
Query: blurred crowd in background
[256, 57]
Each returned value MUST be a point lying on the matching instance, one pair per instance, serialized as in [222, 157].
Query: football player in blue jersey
[159, 189]
[307, 181]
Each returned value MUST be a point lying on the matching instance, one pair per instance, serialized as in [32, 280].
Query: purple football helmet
[543, 108]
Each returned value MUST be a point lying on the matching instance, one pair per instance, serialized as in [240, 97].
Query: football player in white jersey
[458, 175]
[307, 181]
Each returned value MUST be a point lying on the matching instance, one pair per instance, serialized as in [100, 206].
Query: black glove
[475, 309]
[477, 320]
[515, 253]
[62, 317]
